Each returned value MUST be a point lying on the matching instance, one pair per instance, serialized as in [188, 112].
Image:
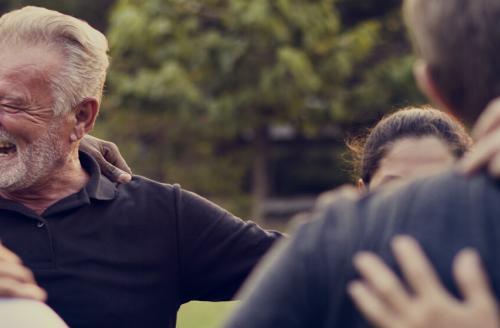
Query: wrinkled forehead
[25, 57]
[26, 72]
[22, 84]
[28, 64]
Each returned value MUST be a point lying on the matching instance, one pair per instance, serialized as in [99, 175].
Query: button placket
[43, 224]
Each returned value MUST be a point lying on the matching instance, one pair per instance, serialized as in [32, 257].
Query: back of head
[407, 123]
[459, 40]
[83, 47]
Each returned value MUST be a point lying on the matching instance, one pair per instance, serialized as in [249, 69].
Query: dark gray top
[303, 283]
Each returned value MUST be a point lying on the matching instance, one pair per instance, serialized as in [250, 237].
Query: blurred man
[304, 283]
[107, 255]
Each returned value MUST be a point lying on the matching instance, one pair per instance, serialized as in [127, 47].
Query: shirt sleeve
[302, 282]
[285, 290]
[217, 250]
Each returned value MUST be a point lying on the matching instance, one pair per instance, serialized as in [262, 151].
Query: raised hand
[486, 151]
[108, 157]
[15, 279]
[386, 303]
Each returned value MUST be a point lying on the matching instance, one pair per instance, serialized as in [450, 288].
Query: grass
[204, 314]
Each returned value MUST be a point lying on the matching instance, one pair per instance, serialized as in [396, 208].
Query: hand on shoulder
[486, 151]
[387, 303]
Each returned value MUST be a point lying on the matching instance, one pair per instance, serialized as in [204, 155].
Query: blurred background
[247, 103]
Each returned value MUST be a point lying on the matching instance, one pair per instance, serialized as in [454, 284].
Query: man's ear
[85, 114]
[426, 84]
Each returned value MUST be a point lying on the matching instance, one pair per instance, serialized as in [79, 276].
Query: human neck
[64, 180]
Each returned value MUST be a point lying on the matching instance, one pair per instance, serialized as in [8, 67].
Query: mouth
[7, 148]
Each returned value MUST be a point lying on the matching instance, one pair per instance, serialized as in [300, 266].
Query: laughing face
[31, 137]
[23, 166]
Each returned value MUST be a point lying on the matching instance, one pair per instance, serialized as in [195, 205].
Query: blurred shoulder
[441, 198]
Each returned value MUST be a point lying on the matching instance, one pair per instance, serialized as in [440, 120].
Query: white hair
[83, 47]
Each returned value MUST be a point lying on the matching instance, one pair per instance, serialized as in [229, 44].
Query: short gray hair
[83, 47]
[460, 41]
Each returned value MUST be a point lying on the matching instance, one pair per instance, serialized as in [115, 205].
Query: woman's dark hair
[404, 123]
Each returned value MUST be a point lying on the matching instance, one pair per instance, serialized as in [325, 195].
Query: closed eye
[11, 108]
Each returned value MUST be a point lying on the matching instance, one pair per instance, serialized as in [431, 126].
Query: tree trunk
[260, 181]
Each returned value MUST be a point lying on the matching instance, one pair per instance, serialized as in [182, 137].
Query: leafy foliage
[194, 83]
[197, 79]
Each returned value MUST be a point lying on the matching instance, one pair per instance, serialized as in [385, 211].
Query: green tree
[191, 80]
[197, 84]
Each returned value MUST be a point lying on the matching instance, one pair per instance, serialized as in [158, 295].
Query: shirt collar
[98, 187]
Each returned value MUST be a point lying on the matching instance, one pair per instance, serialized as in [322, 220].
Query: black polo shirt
[129, 255]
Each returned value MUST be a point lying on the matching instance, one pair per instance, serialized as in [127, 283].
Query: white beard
[31, 164]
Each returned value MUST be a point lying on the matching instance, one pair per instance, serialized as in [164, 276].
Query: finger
[481, 153]
[124, 178]
[10, 270]
[13, 288]
[112, 155]
[108, 169]
[113, 165]
[99, 158]
[415, 266]
[471, 278]
[7, 255]
[371, 306]
[494, 165]
[382, 280]
[115, 174]
[488, 121]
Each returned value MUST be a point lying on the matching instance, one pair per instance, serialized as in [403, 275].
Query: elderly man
[304, 284]
[107, 255]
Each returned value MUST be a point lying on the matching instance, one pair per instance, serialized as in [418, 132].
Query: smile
[7, 148]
